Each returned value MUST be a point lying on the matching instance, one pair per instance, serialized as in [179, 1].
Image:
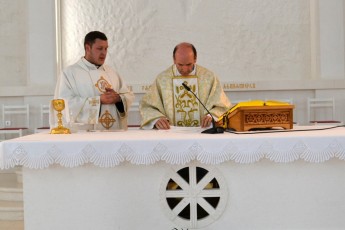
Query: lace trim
[119, 154]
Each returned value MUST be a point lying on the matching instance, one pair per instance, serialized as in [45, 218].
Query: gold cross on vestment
[107, 120]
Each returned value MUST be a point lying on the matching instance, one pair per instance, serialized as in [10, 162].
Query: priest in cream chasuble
[168, 103]
[168, 98]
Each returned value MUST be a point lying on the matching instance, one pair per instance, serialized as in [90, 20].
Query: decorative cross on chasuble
[107, 120]
[186, 106]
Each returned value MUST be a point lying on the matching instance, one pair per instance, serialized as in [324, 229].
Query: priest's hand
[162, 123]
[110, 97]
[206, 121]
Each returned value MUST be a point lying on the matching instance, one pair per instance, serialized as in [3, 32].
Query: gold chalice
[59, 105]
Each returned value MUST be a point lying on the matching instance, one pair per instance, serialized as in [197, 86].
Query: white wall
[239, 40]
[332, 39]
[278, 48]
[13, 45]
[28, 76]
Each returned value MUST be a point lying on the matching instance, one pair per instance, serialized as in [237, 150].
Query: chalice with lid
[59, 105]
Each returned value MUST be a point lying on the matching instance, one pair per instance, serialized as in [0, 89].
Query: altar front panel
[263, 195]
[120, 180]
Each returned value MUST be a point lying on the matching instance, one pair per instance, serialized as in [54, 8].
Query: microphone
[214, 129]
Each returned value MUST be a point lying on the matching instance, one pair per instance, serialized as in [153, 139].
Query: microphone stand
[214, 129]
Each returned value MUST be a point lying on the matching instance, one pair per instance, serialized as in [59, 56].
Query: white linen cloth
[174, 146]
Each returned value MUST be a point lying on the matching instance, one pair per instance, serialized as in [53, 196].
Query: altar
[181, 179]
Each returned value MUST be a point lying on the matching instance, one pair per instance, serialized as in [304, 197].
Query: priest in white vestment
[96, 96]
[168, 103]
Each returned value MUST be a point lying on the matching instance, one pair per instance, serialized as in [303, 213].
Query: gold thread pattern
[107, 120]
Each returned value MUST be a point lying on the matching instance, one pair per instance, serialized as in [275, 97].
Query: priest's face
[97, 52]
[184, 60]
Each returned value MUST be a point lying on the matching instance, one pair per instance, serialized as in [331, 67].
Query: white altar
[181, 179]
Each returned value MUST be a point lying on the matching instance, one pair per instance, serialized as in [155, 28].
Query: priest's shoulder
[165, 74]
[72, 68]
[203, 71]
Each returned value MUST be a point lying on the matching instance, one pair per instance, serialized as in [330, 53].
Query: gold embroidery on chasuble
[93, 102]
[93, 110]
[107, 120]
[186, 106]
[101, 84]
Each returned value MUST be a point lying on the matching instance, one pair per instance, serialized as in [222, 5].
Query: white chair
[44, 119]
[322, 111]
[15, 119]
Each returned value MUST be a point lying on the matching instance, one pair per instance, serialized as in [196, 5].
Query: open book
[258, 103]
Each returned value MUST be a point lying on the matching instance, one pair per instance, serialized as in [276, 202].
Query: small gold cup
[59, 105]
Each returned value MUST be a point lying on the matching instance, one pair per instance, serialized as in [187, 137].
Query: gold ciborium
[59, 105]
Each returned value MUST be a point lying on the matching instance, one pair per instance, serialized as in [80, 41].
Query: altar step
[11, 225]
[11, 210]
[11, 201]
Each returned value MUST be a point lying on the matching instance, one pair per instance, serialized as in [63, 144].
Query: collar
[91, 66]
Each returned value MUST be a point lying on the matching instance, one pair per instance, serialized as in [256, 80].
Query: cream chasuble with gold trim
[167, 99]
[82, 84]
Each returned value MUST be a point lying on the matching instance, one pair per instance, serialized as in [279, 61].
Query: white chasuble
[186, 106]
[82, 84]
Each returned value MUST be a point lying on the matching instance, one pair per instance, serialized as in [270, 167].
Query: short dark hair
[187, 44]
[92, 36]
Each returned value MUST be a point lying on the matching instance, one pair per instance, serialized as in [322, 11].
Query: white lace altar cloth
[175, 146]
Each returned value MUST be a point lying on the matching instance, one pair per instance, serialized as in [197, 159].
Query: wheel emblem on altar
[193, 196]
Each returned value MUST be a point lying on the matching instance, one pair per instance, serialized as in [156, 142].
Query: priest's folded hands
[110, 97]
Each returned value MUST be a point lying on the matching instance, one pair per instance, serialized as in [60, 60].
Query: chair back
[15, 119]
[321, 110]
[15, 116]
[44, 114]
